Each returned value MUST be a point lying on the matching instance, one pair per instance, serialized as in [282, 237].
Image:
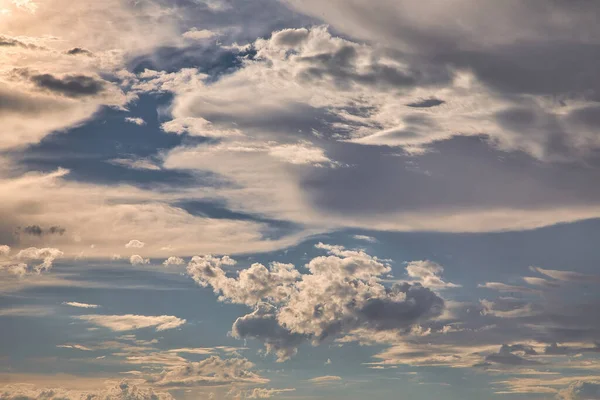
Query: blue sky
[298, 199]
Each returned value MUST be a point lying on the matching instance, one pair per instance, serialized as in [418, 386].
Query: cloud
[138, 164]
[426, 103]
[74, 346]
[135, 244]
[121, 391]
[581, 391]
[212, 371]
[36, 230]
[136, 121]
[6, 41]
[428, 274]
[120, 323]
[68, 85]
[261, 393]
[46, 254]
[79, 305]
[75, 51]
[101, 215]
[567, 276]
[506, 356]
[4, 250]
[198, 34]
[366, 238]
[173, 261]
[325, 380]
[349, 111]
[138, 260]
[340, 294]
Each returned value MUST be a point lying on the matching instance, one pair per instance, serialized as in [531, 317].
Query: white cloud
[136, 259]
[110, 216]
[365, 238]
[140, 163]
[341, 293]
[14, 265]
[261, 393]
[130, 322]
[135, 244]
[428, 274]
[581, 391]
[199, 34]
[80, 305]
[173, 261]
[75, 347]
[135, 120]
[325, 380]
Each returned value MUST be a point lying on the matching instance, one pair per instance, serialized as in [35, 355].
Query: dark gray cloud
[426, 103]
[556, 349]
[36, 230]
[342, 66]
[6, 41]
[262, 325]
[69, 85]
[506, 356]
[79, 51]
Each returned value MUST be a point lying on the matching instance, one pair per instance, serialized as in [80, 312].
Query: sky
[299, 199]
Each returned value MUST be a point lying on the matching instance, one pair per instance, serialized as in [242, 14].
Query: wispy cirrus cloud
[122, 323]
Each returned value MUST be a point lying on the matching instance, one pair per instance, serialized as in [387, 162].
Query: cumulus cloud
[171, 261]
[120, 323]
[135, 244]
[136, 121]
[47, 255]
[136, 259]
[341, 293]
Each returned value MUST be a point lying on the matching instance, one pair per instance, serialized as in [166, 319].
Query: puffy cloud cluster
[171, 261]
[136, 259]
[323, 97]
[341, 293]
[19, 263]
[312, 81]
